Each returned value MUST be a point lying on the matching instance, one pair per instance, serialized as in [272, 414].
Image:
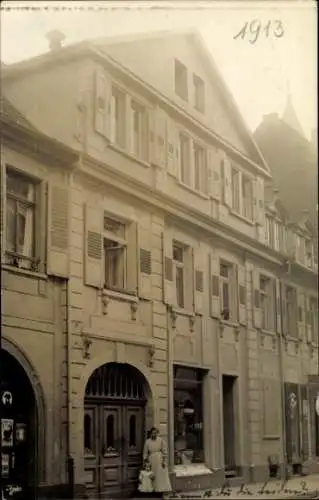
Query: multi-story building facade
[170, 298]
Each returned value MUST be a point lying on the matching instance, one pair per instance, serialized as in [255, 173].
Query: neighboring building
[173, 286]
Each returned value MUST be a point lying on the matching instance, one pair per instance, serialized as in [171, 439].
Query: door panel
[111, 449]
[133, 426]
[91, 449]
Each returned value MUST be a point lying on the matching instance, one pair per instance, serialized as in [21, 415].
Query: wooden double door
[113, 442]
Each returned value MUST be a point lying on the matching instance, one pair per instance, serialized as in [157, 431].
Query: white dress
[155, 452]
[146, 481]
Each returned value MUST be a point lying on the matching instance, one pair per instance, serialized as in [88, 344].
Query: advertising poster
[4, 465]
[7, 432]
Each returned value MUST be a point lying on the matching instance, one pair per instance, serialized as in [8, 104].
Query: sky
[260, 70]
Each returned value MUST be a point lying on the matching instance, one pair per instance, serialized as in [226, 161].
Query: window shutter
[284, 310]
[242, 291]
[214, 173]
[145, 263]
[256, 299]
[132, 260]
[152, 136]
[160, 141]
[58, 230]
[301, 300]
[3, 207]
[278, 305]
[168, 283]
[227, 187]
[102, 104]
[93, 270]
[258, 195]
[307, 322]
[172, 148]
[276, 235]
[199, 273]
[214, 285]
[41, 225]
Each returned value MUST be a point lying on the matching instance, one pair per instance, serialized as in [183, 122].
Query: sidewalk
[294, 488]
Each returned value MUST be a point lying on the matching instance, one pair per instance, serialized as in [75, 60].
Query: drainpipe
[282, 391]
[70, 460]
[170, 385]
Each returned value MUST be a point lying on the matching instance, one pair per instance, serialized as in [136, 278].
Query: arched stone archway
[117, 401]
[26, 415]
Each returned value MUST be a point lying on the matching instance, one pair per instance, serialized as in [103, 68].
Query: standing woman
[155, 452]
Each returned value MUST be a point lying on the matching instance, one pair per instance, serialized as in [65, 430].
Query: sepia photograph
[159, 249]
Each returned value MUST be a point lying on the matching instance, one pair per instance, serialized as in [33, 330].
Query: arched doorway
[114, 420]
[19, 423]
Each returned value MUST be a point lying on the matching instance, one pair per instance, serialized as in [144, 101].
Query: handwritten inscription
[254, 29]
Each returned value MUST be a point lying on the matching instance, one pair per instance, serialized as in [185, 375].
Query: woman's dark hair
[149, 433]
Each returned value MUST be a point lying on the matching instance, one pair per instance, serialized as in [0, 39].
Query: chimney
[55, 38]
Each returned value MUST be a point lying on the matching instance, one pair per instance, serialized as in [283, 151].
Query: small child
[146, 479]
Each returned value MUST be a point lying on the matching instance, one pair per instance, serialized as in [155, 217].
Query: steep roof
[290, 117]
[7, 110]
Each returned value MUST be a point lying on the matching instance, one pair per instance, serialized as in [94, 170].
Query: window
[235, 190]
[247, 196]
[114, 254]
[178, 259]
[181, 86]
[185, 156]
[270, 228]
[291, 311]
[138, 131]
[200, 168]
[118, 117]
[21, 206]
[199, 90]
[313, 318]
[227, 297]
[267, 305]
[301, 249]
[188, 415]
[242, 194]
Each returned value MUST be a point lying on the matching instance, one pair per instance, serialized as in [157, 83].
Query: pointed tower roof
[290, 117]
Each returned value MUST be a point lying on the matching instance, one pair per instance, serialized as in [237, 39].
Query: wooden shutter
[102, 104]
[301, 314]
[132, 258]
[169, 291]
[58, 230]
[284, 309]
[308, 328]
[214, 173]
[258, 201]
[94, 273]
[145, 263]
[227, 182]
[200, 259]
[160, 139]
[152, 136]
[291, 243]
[276, 235]
[172, 148]
[256, 299]
[242, 295]
[278, 305]
[3, 207]
[214, 285]
[41, 225]
[271, 407]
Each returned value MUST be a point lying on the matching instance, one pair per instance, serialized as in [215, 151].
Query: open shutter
[308, 328]
[3, 208]
[276, 235]
[256, 299]
[284, 309]
[242, 291]
[145, 263]
[172, 147]
[301, 315]
[214, 173]
[102, 104]
[132, 259]
[258, 196]
[227, 187]
[278, 305]
[152, 136]
[214, 285]
[160, 142]
[168, 274]
[41, 225]
[58, 230]
[93, 244]
[199, 270]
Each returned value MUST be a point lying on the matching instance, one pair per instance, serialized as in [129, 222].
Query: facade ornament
[105, 304]
[86, 345]
[221, 329]
[151, 353]
[191, 323]
[173, 318]
[262, 340]
[237, 333]
[134, 308]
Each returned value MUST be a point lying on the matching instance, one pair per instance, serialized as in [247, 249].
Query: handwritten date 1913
[255, 28]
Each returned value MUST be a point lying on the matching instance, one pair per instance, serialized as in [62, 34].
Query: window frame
[179, 267]
[120, 91]
[137, 107]
[122, 241]
[238, 208]
[267, 297]
[185, 170]
[230, 281]
[203, 174]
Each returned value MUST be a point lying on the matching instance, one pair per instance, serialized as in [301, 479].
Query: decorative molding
[105, 304]
[192, 323]
[237, 333]
[151, 353]
[173, 318]
[134, 308]
[86, 345]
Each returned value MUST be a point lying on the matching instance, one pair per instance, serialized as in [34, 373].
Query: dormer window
[181, 86]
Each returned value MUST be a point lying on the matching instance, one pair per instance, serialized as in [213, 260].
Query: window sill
[193, 190]
[183, 312]
[25, 272]
[242, 218]
[191, 470]
[130, 156]
[271, 437]
[271, 333]
[122, 296]
[226, 322]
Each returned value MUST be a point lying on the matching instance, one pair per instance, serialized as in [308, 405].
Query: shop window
[188, 418]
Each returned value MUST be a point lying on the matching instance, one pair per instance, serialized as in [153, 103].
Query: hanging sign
[7, 432]
[7, 398]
